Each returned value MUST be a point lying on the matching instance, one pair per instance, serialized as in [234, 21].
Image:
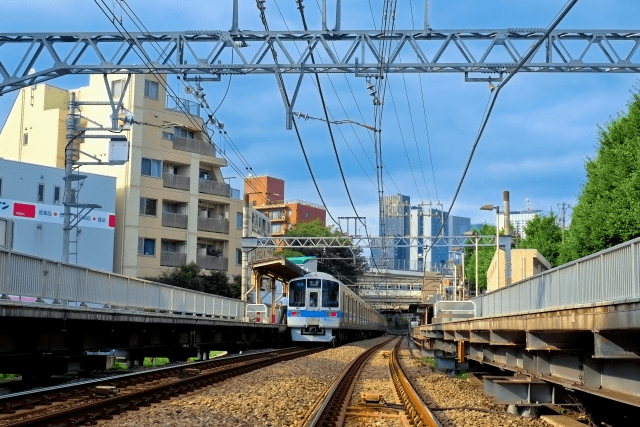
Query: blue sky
[542, 130]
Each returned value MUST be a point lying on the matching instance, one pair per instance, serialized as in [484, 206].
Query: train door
[314, 289]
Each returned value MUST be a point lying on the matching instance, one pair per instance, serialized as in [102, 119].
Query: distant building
[405, 221]
[31, 196]
[519, 221]
[524, 263]
[266, 195]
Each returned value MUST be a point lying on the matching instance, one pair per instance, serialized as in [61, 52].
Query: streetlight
[490, 207]
[475, 234]
[461, 250]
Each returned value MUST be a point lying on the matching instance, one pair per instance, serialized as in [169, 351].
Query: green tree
[189, 276]
[485, 255]
[608, 208]
[345, 264]
[544, 234]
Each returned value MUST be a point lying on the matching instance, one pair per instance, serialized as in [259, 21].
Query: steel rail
[106, 407]
[417, 411]
[329, 410]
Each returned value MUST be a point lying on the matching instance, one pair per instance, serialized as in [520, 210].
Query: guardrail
[28, 276]
[606, 277]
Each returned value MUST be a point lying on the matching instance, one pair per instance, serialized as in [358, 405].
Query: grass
[157, 361]
[119, 366]
[8, 376]
[428, 361]
[212, 354]
[462, 375]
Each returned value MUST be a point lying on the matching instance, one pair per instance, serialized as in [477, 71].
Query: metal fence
[52, 281]
[609, 276]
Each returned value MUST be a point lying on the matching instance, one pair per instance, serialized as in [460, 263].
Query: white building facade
[31, 198]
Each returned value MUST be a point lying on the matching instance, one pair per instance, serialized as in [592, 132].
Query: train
[323, 310]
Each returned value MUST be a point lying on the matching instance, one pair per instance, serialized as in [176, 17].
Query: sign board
[118, 151]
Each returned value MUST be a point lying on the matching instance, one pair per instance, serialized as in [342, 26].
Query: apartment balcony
[212, 262]
[173, 259]
[194, 146]
[174, 220]
[179, 182]
[213, 187]
[213, 225]
[182, 105]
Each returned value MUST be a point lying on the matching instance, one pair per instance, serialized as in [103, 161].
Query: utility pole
[507, 239]
[72, 124]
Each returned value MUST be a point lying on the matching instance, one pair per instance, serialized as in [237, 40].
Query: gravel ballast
[276, 396]
[440, 390]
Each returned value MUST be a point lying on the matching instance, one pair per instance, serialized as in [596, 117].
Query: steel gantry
[28, 59]
[353, 242]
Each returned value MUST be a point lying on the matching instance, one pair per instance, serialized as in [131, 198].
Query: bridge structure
[53, 314]
[575, 327]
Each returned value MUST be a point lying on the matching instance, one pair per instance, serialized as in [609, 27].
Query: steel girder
[27, 59]
[249, 243]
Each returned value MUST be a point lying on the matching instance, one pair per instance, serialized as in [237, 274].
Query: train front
[314, 308]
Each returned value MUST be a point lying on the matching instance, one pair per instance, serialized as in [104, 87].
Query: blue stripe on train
[312, 313]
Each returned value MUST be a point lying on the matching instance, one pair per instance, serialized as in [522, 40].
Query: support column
[274, 317]
[507, 232]
[72, 123]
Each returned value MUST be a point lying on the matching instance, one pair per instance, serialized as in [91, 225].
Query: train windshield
[330, 294]
[296, 293]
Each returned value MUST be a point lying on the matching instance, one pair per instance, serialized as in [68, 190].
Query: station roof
[279, 268]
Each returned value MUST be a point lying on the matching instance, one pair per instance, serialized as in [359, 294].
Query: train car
[324, 310]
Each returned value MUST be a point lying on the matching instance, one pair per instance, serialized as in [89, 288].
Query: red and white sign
[53, 214]
[24, 210]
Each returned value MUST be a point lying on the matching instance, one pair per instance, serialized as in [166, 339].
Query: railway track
[84, 403]
[332, 408]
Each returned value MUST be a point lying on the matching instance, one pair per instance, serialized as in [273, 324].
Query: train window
[313, 283]
[330, 294]
[297, 290]
[313, 299]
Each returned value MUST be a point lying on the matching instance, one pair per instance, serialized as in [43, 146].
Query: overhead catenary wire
[263, 18]
[155, 72]
[204, 105]
[424, 113]
[493, 97]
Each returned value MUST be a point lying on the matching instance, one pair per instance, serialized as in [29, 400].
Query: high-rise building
[519, 220]
[266, 194]
[172, 203]
[401, 220]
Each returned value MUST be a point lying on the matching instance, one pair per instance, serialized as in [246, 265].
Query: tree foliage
[342, 263]
[544, 234]
[608, 208]
[189, 276]
[485, 255]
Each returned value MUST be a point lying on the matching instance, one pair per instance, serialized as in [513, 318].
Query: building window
[116, 88]
[183, 133]
[276, 228]
[239, 220]
[146, 246]
[56, 195]
[238, 257]
[150, 89]
[306, 214]
[25, 139]
[167, 135]
[151, 167]
[41, 192]
[148, 206]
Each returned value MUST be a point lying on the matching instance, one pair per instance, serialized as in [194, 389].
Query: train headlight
[334, 314]
[294, 313]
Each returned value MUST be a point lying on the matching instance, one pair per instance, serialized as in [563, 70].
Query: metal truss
[28, 59]
[351, 242]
